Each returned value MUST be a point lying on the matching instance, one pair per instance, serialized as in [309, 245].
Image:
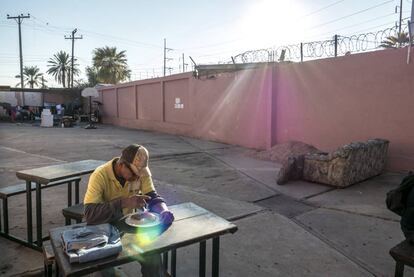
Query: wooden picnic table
[42, 177]
[193, 224]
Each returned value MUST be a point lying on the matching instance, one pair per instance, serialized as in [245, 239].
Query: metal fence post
[301, 52]
[336, 45]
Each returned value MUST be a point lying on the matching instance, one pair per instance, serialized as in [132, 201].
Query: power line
[352, 14]
[48, 25]
[147, 45]
[311, 13]
[57, 29]
[350, 26]
[323, 8]
[374, 27]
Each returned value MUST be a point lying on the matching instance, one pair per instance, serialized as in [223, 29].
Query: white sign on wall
[178, 104]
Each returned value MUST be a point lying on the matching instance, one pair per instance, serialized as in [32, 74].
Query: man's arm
[157, 205]
[155, 201]
[98, 213]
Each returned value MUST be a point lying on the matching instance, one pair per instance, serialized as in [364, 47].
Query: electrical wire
[323, 8]
[93, 33]
[352, 14]
[349, 26]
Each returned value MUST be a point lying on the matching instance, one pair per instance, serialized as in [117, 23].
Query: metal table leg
[77, 192]
[5, 216]
[29, 211]
[165, 260]
[216, 257]
[174, 262]
[39, 214]
[202, 260]
[399, 269]
[69, 194]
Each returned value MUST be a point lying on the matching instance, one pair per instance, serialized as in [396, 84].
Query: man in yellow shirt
[121, 185]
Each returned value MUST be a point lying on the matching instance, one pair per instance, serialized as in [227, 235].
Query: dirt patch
[281, 152]
[290, 155]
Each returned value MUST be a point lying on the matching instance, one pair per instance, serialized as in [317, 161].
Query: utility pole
[165, 55]
[19, 20]
[184, 64]
[73, 49]
[399, 25]
[399, 37]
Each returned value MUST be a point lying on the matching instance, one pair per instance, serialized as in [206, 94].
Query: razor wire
[337, 46]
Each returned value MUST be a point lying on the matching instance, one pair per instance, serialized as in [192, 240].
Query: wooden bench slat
[74, 212]
[403, 252]
[21, 188]
[48, 253]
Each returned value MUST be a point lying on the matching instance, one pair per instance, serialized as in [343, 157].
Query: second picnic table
[42, 177]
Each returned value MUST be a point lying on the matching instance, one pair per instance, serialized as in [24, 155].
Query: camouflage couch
[347, 165]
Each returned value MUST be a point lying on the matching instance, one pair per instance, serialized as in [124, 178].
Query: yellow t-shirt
[104, 187]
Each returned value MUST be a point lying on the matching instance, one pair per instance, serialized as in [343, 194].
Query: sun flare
[268, 23]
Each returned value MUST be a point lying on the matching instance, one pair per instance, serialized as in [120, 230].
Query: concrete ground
[298, 229]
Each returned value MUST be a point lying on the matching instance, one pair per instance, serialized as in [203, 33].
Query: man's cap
[136, 157]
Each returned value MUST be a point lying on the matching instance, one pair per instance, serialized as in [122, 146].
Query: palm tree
[31, 76]
[92, 75]
[111, 65]
[396, 41]
[43, 82]
[76, 72]
[60, 68]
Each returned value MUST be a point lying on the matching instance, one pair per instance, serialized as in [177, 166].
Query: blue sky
[208, 31]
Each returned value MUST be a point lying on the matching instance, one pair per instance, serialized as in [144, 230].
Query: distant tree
[396, 41]
[92, 75]
[43, 82]
[31, 76]
[60, 68]
[111, 66]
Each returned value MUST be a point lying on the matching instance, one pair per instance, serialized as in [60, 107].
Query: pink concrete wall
[234, 107]
[328, 103]
[150, 101]
[230, 108]
[110, 103]
[127, 102]
[177, 101]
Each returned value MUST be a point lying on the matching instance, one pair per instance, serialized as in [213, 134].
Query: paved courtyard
[298, 229]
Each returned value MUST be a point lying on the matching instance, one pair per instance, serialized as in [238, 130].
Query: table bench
[74, 212]
[13, 190]
[43, 176]
[403, 254]
[48, 259]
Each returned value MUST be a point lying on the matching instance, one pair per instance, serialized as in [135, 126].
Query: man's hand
[167, 217]
[136, 201]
